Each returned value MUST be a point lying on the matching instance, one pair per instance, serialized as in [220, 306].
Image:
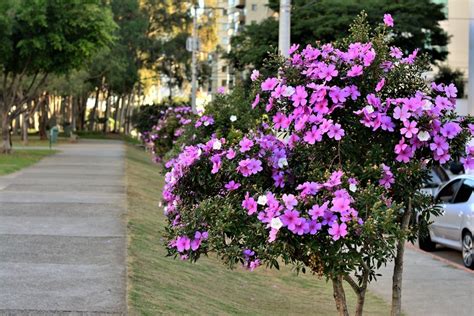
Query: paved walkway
[431, 286]
[62, 234]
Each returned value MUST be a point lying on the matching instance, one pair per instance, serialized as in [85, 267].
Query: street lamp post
[284, 27]
[193, 66]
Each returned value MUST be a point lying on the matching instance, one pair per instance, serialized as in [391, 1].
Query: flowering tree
[329, 180]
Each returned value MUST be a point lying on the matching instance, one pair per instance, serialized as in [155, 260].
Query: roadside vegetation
[20, 159]
[161, 285]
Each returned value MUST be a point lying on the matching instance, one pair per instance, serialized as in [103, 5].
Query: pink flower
[337, 231]
[183, 243]
[355, 71]
[230, 154]
[336, 132]
[450, 130]
[439, 145]
[312, 136]
[249, 204]
[388, 20]
[409, 129]
[318, 211]
[269, 84]
[290, 219]
[256, 101]
[327, 72]
[396, 52]
[290, 201]
[248, 167]
[380, 85]
[280, 120]
[245, 145]
[221, 90]
[401, 113]
[216, 163]
[451, 91]
[232, 185]
[299, 97]
[404, 151]
[255, 74]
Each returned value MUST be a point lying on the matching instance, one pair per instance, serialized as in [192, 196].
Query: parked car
[455, 226]
[439, 176]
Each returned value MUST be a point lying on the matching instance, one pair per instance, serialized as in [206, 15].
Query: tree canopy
[329, 20]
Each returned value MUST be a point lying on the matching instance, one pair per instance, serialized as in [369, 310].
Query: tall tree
[43, 37]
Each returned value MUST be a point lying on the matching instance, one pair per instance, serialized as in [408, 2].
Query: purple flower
[401, 114]
[451, 91]
[396, 52]
[245, 145]
[312, 136]
[216, 163]
[269, 84]
[299, 97]
[232, 185]
[280, 120]
[355, 71]
[387, 177]
[290, 219]
[290, 201]
[221, 90]
[313, 227]
[388, 20]
[439, 145]
[183, 243]
[404, 151]
[337, 231]
[327, 72]
[336, 132]
[230, 154]
[318, 211]
[380, 85]
[248, 167]
[249, 204]
[450, 130]
[409, 129]
[255, 74]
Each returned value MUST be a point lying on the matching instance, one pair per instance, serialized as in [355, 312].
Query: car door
[455, 211]
[445, 198]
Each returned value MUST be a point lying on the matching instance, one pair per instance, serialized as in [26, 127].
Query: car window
[464, 192]
[447, 193]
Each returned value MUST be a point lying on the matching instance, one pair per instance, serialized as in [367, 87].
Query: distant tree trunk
[123, 112]
[129, 114]
[105, 128]
[25, 126]
[398, 266]
[116, 114]
[6, 140]
[74, 106]
[43, 119]
[94, 109]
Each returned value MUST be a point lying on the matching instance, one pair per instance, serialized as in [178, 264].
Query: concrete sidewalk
[62, 234]
[431, 286]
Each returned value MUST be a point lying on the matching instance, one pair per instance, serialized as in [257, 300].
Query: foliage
[447, 75]
[148, 116]
[328, 20]
[354, 129]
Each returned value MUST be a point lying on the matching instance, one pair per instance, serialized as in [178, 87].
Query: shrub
[331, 183]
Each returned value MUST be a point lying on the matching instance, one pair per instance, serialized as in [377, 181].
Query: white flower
[369, 109]
[160, 204]
[282, 162]
[206, 123]
[233, 118]
[217, 145]
[255, 74]
[423, 136]
[262, 200]
[427, 105]
[352, 187]
[276, 223]
[288, 91]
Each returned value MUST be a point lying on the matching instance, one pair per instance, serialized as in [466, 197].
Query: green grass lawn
[162, 285]
[35, 141]
[19, 159]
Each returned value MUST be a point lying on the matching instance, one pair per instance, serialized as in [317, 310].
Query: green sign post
[53, 136]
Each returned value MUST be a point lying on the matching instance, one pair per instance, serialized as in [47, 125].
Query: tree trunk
[339, 296]
[129, 114]
[6, 140]
[94, 109]
[25, 126]
[398, 267]
[43, 120]
[116, 114]
[105, 128]
[123, 112]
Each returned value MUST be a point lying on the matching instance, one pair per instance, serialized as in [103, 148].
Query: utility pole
[470, 90]
[194, 60]
[284, 27]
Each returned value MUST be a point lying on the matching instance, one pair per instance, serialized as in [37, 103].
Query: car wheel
[467, 250]
[426, 243]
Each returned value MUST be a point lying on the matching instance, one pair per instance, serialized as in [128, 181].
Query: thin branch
[352, 283]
